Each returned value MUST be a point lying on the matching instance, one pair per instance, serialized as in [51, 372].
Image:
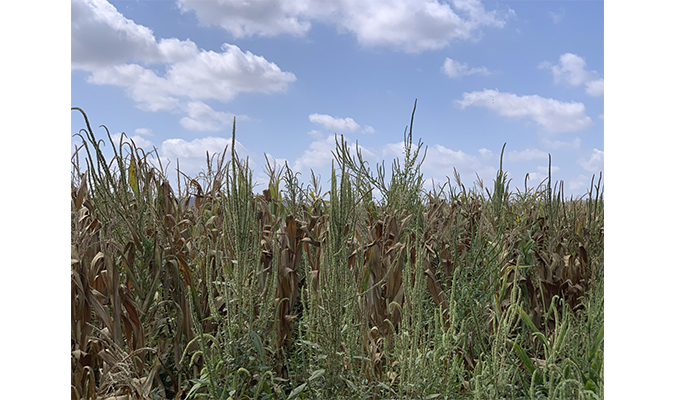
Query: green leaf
[297, 391]
[317, 374]
[523, 356]
[195, 388]
[591, 386]
[596, 344]
[592, 394]
[257, 343]
[528, 320]
[351, 385]
[527, 362]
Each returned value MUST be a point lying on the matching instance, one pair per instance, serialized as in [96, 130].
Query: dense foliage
[215, 291]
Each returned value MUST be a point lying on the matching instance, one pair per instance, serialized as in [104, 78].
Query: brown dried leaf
[99, 309]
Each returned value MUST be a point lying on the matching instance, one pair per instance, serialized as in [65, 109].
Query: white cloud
[571, 69]
[485, 153]
[102, 36]
[595, 162]
[441, 162]
[339, 124]
[143, 131]
[596, 88]
[407, 25]
[197, 148]
[559, 144]
[525, 155]
[455, 69]
[319, 155]
[441, 159]
[201, 117]
[557, 16]
[242, 19]
[117, 51]
[151, 92]
[192, 154]
[414, 26]
[396, 149]
[552, 115]
[315, 134]
[222, 76]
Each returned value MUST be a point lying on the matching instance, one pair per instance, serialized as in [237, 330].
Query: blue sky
[172, 74]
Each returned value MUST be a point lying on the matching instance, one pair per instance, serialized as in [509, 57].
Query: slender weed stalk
[216, 291]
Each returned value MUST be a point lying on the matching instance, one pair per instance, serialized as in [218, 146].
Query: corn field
[209, 290]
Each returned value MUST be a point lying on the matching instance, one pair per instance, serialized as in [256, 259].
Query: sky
[172, 75]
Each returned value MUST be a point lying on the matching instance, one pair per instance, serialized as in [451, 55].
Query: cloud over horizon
[298, 72]
[552, 115]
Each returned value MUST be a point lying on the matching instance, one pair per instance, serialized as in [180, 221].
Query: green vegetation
[216, 292]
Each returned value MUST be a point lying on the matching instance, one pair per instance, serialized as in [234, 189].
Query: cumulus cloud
[339, 124]
[408, 25]
[197, 148]
[149, 91]
[552, 115]
[485, 153]
[117, 51]
[319, 154]
[396, 149]
[571, 69]
[192, 154]
[221, 76]
[440, 158]
[526, 155]
[595, 162]
[201, 117]
[455, 69]
[441, 162]
[143, 131]
[102, 36]
[414, 26]
[243, 19]
[315, 134]
[596, 88]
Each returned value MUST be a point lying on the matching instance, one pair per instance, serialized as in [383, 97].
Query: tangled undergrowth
[214, 291]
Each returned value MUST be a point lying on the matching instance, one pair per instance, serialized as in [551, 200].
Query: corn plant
[216, 291]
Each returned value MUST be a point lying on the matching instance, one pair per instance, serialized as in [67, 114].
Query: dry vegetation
[213, 291]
